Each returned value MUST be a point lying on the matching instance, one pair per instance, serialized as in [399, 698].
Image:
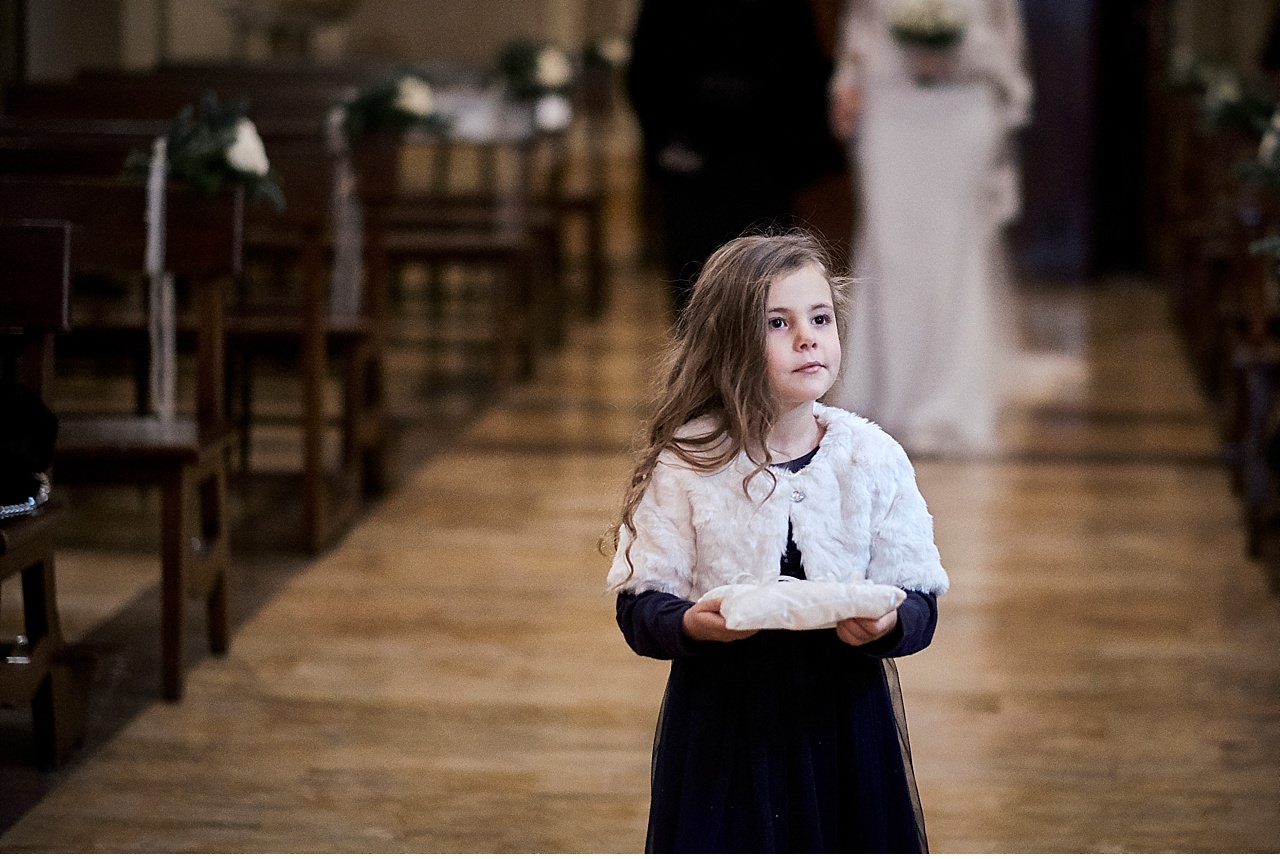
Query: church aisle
[1106, 675]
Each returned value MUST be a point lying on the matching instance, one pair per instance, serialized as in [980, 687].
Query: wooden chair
[471, 212]
[186, 457]
[34, 288]
[324, 330]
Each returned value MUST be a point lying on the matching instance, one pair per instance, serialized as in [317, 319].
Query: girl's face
[802, 346]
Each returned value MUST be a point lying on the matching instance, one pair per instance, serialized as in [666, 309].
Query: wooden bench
[296, 243]
[185, 457]
[472, 215]
[34, 671]
[396, 233]
[523, 255]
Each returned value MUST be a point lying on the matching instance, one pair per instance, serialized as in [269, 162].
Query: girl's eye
[822, 319]
[776, 322]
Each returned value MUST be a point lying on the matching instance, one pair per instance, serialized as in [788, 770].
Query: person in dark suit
[730, 96]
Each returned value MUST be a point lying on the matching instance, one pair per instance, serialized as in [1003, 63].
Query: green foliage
[1228, 101]
[1232, 104]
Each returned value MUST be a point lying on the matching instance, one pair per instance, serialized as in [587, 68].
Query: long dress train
[929, 327]
[931, 343]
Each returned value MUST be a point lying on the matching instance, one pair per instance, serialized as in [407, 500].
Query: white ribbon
[348, 226]
[161, 316]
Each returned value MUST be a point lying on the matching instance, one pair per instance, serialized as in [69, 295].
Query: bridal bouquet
[932, 24]
[214, 147]
[395, 103]
[928, 32]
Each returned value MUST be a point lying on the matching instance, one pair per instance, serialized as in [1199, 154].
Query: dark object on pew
[27, 432]
[35, 668]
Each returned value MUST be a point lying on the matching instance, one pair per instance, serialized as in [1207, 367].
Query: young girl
[773, 740]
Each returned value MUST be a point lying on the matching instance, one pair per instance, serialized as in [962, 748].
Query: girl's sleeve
[650, 623]
[658, 555]
[917, 619]
[903, 552]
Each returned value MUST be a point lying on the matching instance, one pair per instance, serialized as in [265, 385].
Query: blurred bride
[930, 94]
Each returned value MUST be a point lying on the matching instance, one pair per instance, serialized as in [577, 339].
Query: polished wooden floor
[449, 678]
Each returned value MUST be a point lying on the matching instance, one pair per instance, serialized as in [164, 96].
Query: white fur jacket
[855, 512]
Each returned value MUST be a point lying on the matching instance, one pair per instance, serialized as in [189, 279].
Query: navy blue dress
[787, 741]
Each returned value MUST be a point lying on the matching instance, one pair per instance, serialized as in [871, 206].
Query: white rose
[1224, 89]
[1270, 140]
[615, 49]
[553, 68]
[1267, 148]
[552, 113]
[246, 153]
[413, 95]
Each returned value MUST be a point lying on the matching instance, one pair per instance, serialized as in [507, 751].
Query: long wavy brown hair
[716, 366]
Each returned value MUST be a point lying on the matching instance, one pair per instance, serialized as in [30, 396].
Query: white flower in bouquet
[934, 24]
[1223, 91]
[553, 69]
[414, 96]
[552, 113]
[1270, 144]
[247, 153]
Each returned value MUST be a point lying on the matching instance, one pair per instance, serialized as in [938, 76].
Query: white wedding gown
[930, 341]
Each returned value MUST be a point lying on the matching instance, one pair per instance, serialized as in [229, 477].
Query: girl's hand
[862, 630]
[703, 622]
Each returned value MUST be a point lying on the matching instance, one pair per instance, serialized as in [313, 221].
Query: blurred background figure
[929, 94]
[730, 99]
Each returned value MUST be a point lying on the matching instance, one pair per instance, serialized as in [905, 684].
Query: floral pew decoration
[541, 73]
[210, 146]
[379, 114]
[1264, 173]
[1228, 102]
[399, 102]
[215, 146]
[1236, 108]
